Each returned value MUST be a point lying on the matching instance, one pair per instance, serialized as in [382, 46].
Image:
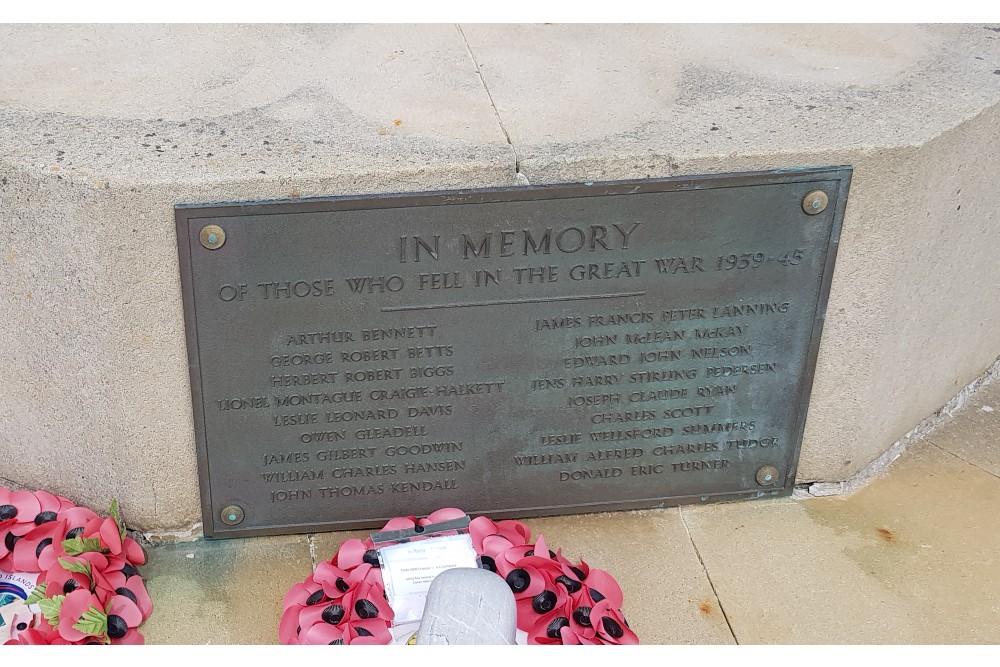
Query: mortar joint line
[496, 112]
[704, 569]
[963, 460]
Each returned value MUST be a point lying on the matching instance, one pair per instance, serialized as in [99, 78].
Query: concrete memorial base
[104, 129]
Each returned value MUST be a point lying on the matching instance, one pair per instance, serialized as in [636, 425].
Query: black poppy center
[544, 602]
[117, 627]
[582, 616]
[315, 598]
[518, 580]
[75, 533]
[342, 585]
[333, 614]
[22, 626]
[336, 642]
[596, 596]
[362, 632]
[366, 609]
[488, 563]
[371, 557]
[129, 570]
[70, 586]
[7, 512]
[555, 626]
[44, 517]
[124, 592]
[612, 627]
[578, 572]
[10, 541]
[572, 585]
[41, 546]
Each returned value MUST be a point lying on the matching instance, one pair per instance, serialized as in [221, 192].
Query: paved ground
[912, 558]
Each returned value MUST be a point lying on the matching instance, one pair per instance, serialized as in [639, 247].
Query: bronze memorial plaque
[511, 352]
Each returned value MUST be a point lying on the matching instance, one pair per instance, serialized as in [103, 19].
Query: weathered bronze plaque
[511, 352]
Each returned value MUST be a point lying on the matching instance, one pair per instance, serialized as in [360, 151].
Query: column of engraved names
[656, 391]
[359, 413]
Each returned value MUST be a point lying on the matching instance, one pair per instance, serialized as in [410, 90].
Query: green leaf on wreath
[93, 622]
[81, 545]
[116, 515]
[37, 595]
[81, 566]
[50, 608]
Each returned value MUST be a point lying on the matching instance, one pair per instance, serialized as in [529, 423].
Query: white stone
[468, 606]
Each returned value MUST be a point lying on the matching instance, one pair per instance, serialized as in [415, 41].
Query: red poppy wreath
[88, 589]
[558, 602]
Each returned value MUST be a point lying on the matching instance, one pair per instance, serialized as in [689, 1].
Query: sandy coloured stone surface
[224, 591]
[974, 435]
[912, 559]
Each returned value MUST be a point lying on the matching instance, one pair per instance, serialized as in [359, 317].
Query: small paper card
[409, 568]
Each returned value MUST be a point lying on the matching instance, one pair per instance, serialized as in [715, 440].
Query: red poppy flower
[289, 628]
[30, 637]
[32, 544]
[60, 581]
[73, 521]
[77, 603]
[18, 510]
[124, 616]
[610, 626]
[492, 539]
[373, 632]
[319, 633]
[132, 587]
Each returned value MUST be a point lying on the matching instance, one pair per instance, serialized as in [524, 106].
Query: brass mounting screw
[232, 515]
[212, 237]
[767, 476]
[815, 202]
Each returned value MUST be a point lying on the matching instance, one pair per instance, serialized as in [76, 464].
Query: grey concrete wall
[104, 129]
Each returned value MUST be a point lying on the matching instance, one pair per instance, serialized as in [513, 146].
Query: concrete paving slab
[668, 598]
[224, 591]
[974, 434]
[913, 558]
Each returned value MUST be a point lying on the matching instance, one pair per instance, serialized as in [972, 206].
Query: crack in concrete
[520, 177]
[963, 460]
[312, 551]
[704, 569]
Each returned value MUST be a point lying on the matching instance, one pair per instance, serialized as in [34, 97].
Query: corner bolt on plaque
[511, 352]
